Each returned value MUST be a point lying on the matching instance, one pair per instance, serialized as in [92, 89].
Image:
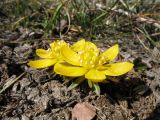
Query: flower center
[88, 57]
[102, 60]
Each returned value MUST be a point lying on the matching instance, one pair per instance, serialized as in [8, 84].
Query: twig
[142, 43]
[9, 83]
[148, 21]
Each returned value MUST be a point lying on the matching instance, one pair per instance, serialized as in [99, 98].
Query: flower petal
[83, 45]
[70, 56]
[95, 75]
[42, 63]
[66, 69]
[92, 47]
[109, 54]
[117, 69]
[45, 53]
[79, 45]
[56, 45]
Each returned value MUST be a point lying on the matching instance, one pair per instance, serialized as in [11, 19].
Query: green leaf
[90, 84]
[76, 82]
[97, 88]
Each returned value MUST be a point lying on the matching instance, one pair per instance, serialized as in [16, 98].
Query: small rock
[83, 111]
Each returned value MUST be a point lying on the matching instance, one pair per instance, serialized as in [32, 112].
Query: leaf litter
[40, 96]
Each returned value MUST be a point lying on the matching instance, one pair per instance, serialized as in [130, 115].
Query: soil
[39, 95]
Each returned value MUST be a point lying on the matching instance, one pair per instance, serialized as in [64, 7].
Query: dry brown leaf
[76, 29]
[83, 111]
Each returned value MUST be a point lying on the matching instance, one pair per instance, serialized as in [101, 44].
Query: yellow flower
[84, 59]
[49, 57]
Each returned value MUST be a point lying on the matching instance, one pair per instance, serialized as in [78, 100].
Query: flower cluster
[83, 61]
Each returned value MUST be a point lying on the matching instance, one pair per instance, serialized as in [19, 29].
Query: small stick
[7, 85]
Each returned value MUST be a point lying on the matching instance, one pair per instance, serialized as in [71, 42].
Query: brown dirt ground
[40, 96]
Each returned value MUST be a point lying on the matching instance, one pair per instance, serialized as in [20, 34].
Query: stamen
[55, 48]
[92, 66]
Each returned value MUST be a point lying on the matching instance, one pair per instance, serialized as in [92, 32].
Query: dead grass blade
[11, 82]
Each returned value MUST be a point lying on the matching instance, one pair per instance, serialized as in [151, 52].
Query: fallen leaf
[76, 29]
[83, 111]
